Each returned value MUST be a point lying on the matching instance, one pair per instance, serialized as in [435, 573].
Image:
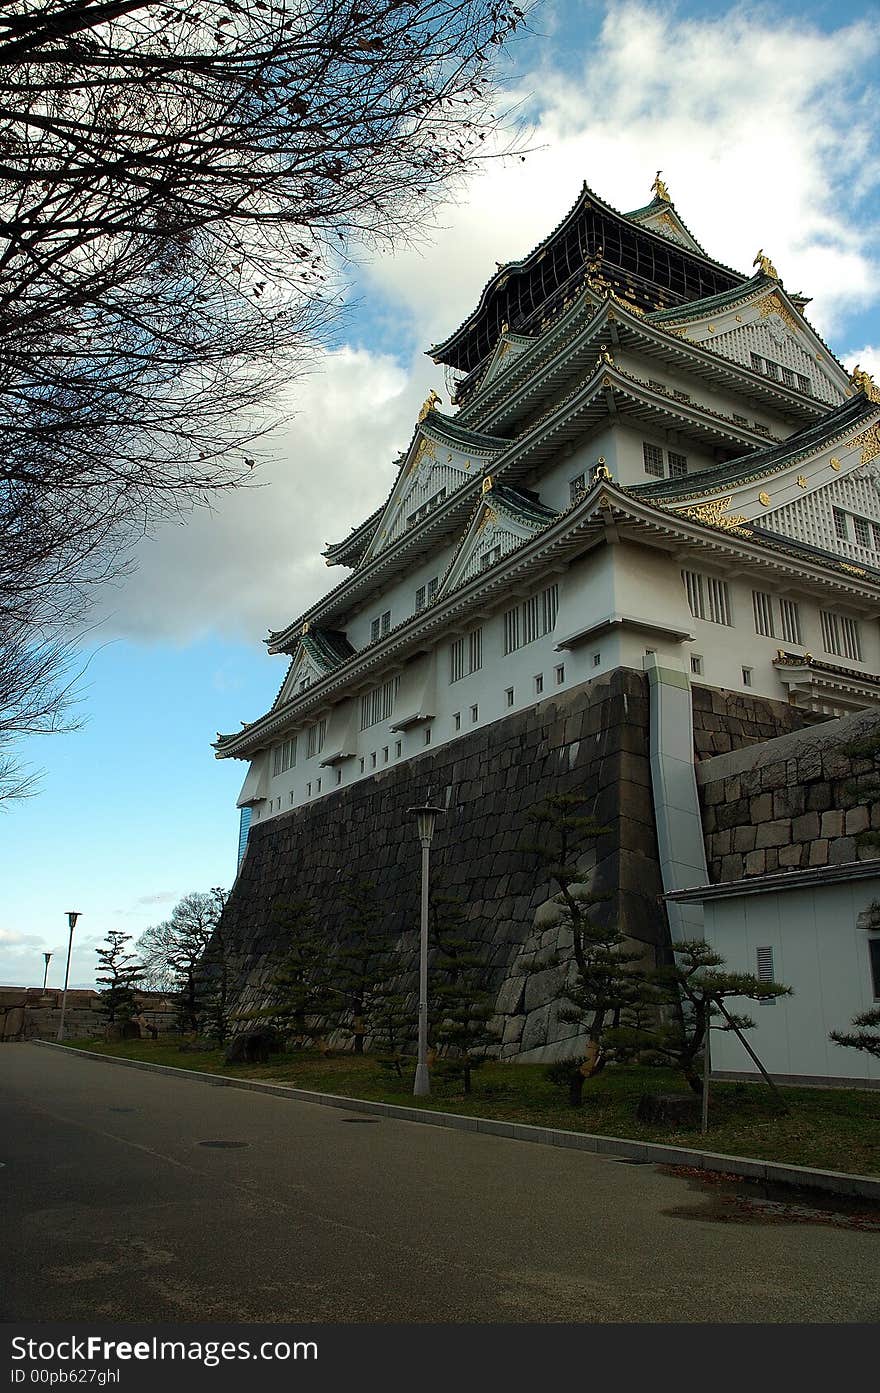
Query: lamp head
[426, 816]
[72, 916]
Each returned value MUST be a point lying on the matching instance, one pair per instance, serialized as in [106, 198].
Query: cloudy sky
[763, 119]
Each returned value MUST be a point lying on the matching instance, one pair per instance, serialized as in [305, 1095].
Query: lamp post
[72, 916]
[47, 956]
[426, 817]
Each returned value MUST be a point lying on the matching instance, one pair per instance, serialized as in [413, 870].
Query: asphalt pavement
[134, 1196]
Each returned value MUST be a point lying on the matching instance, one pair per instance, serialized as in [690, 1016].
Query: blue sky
[763, 121]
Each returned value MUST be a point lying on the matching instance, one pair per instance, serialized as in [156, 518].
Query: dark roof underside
[660, 274]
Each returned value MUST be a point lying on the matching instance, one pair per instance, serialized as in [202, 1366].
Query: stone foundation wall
[592, 740]
[725, 721]
[27, 1013]
[795, 801]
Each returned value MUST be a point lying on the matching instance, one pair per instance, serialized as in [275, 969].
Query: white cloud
[254, 562]
[761, 137]
[765, 139]
[867, 358]
[10, 938]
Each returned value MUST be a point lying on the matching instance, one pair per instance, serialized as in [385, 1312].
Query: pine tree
[686, 993]
[460, 1005]
[302, 994]
[365, 963]
[604, 981]
[865, 1037]
[120, 972]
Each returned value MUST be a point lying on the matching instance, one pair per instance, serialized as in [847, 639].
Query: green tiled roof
[839, 421]
[523, 504]
[694, 309]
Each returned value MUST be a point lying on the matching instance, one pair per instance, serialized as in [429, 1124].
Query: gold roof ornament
[305, 627]
[605, 355]
[487, 483]
[864, 382]
[766, 265]
[601, 471]
[659, 189]
[431, 400]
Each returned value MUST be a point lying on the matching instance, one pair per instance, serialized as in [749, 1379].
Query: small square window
[427, 735]
[597, 660]
[309, 789]
[291, 797]
[398, 749]
[539, 684]
[339, 775]
[560, 674]
[696, 664]
[362, 764]
[373, 760]
[747, 677]
[475, 714]
[456, 721]
[509, 696]
[318, 789]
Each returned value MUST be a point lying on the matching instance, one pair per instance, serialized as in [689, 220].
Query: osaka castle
[648, 459]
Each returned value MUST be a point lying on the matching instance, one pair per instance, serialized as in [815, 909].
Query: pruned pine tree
[390, 1023]
[303, 996]
[459, 1003]
[685, 993]
[865, 1036]
[366, 961]
[605, 980]
[216, 985]
[119, 973]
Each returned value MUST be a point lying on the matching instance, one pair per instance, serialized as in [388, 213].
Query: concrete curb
[835, 1182]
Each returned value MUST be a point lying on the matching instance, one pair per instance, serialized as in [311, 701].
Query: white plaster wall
[821, 954]
[624, 579]
[400, 598]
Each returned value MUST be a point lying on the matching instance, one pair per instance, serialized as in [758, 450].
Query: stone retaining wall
[795, 801]
[592, 740]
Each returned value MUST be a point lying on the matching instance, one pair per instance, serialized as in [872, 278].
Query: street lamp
[426, 817]
[72, 916]
[47, 956]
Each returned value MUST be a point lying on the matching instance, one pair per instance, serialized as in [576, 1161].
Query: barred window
[532, 619]
[707, 597]
[790, 618]
[490, 557]
[840, 636]
[466, 655]
[862, 531]
[378, 704]
[316, 738]
[276, 760]
[840, 526]
[380, 626]
[762, 604]
[288, 754]
[678, 465]
[653, 459]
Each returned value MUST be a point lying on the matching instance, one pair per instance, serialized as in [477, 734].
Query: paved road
[115, 1209]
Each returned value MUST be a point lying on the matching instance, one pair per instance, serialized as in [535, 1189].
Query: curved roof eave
[586, 192]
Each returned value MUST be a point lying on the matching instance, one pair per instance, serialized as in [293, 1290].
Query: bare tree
[173, 952]
[180, 188]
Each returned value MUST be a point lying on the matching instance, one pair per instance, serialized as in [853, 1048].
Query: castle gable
[504, 518]
[318, 651]
[766, 333]
[440, 460]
